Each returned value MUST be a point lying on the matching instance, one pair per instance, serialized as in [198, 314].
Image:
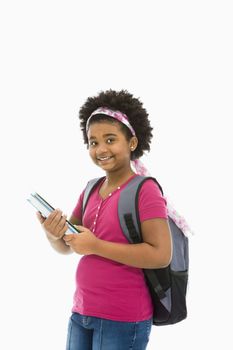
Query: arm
[154, 252]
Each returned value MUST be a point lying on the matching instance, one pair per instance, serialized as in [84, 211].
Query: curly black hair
[125, 102]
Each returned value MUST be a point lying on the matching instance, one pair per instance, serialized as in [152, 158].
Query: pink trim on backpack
[172, 212]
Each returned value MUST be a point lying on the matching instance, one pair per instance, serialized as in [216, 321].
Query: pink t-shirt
[105, 288]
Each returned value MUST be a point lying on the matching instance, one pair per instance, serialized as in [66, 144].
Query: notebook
[45, 209]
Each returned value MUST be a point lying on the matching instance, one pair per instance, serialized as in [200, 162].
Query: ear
[133, 143]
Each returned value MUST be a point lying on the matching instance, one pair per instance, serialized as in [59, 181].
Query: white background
[177, 57]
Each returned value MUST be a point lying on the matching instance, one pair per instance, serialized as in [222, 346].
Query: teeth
[103, 158]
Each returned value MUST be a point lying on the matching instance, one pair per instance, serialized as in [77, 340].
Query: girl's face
[108, 146]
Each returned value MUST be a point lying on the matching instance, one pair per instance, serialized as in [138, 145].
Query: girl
[112, 308]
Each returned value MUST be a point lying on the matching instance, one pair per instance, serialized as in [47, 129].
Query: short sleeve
[152, 204]
[77, 212]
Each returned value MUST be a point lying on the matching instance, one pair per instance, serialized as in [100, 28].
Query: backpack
[167, 285]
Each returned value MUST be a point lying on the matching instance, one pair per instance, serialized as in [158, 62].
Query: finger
[69, 237]
[80, 228]
[40, 217]
[53, 221]
[68, 242]
[62, 233]
[61, 223]
[55, 214]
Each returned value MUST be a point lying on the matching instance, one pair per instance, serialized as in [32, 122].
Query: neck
[119, 177]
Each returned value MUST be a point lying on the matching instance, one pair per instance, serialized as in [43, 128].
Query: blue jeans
[93, 333]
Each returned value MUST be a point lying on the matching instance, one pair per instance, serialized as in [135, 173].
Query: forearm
[141, 255]
[60, 246]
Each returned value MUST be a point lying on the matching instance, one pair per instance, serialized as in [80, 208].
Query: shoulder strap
[128, 212]
[91, 185]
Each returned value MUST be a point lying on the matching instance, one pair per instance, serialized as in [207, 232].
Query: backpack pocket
[179, 281]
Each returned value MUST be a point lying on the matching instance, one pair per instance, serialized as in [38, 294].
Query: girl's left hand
[83, 243]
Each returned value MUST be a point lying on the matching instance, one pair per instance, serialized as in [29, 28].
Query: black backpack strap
[154, 283]
[91, 185]
[134, 233]
[128, 212]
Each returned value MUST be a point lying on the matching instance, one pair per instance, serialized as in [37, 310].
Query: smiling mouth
[103, 159]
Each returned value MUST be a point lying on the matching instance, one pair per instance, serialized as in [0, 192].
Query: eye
[110, 140]
[92, 143]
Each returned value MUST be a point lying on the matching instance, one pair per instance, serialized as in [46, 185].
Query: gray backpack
[167, 285]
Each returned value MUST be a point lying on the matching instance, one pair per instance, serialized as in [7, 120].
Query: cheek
[91, 152]
[124, 153]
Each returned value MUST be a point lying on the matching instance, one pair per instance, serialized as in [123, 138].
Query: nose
[101, 149]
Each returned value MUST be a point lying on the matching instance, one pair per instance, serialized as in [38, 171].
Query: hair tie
[121, 117]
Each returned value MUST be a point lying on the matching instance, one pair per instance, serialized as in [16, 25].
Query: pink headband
[140, 167]
[121, 117]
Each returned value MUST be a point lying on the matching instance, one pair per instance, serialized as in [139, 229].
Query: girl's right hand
[55, 225]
